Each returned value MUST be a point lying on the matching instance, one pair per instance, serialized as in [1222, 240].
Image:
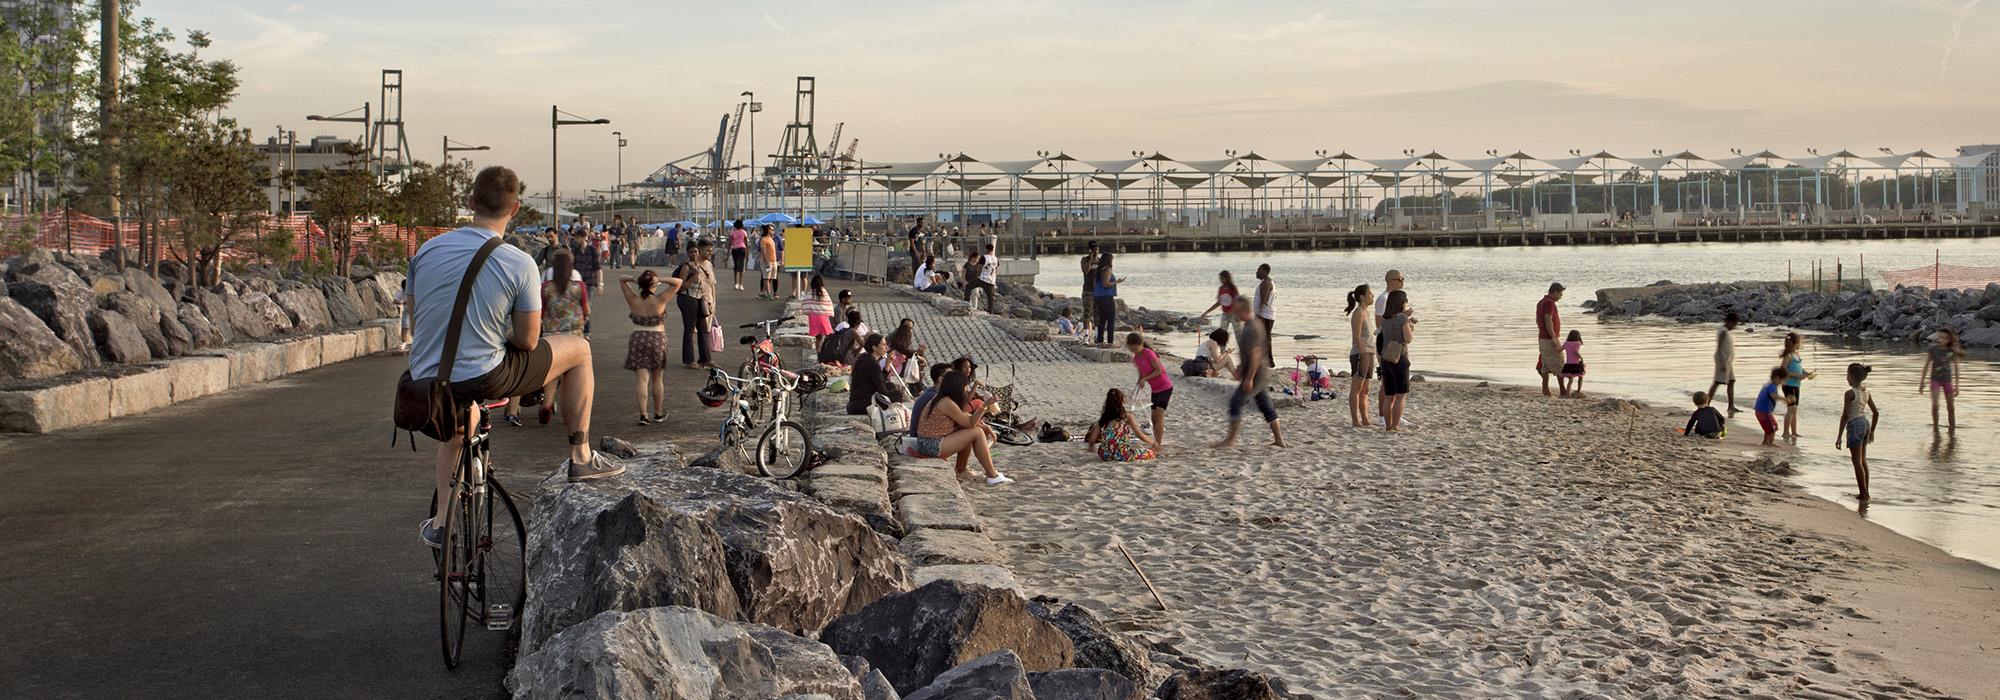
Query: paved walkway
[262, 542]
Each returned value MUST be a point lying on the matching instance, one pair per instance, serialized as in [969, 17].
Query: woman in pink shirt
[739, 251]
[1152, 376]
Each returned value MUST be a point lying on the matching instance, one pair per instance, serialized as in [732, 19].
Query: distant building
[1979, 184]
[320, 153]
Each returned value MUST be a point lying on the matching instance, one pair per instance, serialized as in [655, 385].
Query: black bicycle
[482, 568]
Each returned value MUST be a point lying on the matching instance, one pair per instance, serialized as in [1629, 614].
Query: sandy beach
[1509, 546]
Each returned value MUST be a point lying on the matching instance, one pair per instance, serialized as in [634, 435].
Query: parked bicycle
[482, 568]
[783, 448]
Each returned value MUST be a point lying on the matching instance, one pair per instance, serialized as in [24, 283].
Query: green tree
[429, 195]
[341, 197]
[214, 189]
[39, 57]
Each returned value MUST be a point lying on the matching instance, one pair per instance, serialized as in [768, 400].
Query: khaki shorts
[1552, 356]
[1725, 371]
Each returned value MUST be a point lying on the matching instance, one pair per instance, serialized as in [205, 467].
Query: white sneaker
[998, 480]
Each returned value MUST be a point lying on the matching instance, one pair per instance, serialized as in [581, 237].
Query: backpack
[1052, 433]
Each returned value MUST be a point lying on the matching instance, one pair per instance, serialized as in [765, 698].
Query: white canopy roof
[1186, 181]
[1394, 165]
[1045, 182]
[1015, 167]
[1302, 166]
[1570, 165]
[1483, 165]
[1112, 166]
[1209, 166]
[917, 168]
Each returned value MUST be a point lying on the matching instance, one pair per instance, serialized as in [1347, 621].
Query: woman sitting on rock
[871, 379]
[1116, 433]
[946, 430]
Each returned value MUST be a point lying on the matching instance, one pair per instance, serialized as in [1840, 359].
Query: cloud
[1957, 26]
[774, 25]
[1316, 23]
[277, 39]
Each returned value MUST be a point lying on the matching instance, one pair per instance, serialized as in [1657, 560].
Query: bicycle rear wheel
[783, 450]
[1010, 435]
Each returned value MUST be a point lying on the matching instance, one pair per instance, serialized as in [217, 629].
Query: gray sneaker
[601, 465]
[433, 536]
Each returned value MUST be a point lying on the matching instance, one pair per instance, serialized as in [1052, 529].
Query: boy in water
[1859, 429]
[1767, 406]
[1706, 421]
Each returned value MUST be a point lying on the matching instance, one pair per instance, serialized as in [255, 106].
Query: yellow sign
[798, 249]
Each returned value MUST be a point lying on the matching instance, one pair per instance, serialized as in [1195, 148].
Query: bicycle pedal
[499, 617]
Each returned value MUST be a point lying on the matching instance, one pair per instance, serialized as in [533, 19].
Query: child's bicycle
[1310, 379]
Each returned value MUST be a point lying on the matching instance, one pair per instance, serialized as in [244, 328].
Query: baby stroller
[1310, 379]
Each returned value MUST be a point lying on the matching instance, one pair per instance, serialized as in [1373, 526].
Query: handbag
[714, 337]
[889, 420]
[429, 405]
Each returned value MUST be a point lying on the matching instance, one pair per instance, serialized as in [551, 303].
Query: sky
[1098, 79]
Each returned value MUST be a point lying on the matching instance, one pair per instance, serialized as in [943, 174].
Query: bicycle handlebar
[771, 322]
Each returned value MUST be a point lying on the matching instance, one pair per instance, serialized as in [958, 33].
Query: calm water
[1476, 310]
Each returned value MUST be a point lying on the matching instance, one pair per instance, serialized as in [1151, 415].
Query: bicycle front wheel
[455, 563]
[783, 450]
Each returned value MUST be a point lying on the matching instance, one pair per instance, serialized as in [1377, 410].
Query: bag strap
[458, 307]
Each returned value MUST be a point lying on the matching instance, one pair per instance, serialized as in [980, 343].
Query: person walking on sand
[1266, 308]
[1089, 263]
[1766, 406]
[1152, 377]
[1725, 359]
[1858, 429]
[1252, 379]
[1225, 297]
[646, 352]
[1392, 344]
[1360, 352]
[1392, 281]
[1941, 369]
[1116, 435]
[1106, 298]
[1795, 373]
[1571, 380]
[1548, 327]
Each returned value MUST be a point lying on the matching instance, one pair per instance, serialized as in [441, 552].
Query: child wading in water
[1859, 429]
[1571, 379]
[1706, 421]
[1116, 433]
[1152, 377]
[1767, 406]
[1941, 375]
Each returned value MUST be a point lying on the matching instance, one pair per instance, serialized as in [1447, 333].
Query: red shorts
[1768, 421]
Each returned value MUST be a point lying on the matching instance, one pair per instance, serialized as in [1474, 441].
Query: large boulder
[996, 675]
[118, 338]
[32, 350]
[343, 304]
[146, 317]
[203, 332]
[913, 637]
[64, 309]
[1083, 684]
[676, 652]
[726, 543]
[142, 284]
[305, 307]
[1096, 645]
[1221, 684]
[254, 316]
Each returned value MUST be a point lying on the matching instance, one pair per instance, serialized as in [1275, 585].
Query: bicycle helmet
[713, 395]
[810, 381]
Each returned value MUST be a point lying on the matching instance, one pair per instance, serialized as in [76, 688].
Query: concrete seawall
[73, 401]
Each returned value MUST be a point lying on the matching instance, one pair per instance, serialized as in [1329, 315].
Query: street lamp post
[449, 148]
[618, 188]
[750, 98]
[367, 130]
[557, 121]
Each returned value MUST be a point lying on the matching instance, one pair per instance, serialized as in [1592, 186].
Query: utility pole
[109, 76]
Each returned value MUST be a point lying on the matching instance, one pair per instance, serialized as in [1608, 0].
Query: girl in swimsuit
[647, 352]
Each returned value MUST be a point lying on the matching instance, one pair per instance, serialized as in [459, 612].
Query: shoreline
[1883, 639]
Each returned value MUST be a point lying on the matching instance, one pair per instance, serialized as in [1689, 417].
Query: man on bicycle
[501, 351]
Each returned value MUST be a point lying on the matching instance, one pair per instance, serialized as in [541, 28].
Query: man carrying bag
[477, 336]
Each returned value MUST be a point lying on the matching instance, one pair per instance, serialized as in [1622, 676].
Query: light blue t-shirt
[508, 283]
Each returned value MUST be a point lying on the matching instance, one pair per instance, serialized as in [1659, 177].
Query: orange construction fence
[76, 232]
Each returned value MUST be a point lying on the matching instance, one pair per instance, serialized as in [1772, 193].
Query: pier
[1205, 242]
